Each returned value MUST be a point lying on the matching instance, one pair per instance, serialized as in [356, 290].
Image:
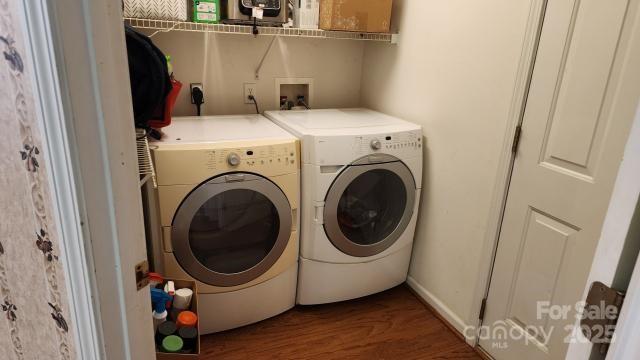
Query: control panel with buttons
[194, 163]
[385, 143]
[252, 158]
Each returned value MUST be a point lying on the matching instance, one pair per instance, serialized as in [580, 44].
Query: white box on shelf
[306, 14]
[175, 10]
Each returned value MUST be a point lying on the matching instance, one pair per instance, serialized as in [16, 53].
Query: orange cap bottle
[187, 319]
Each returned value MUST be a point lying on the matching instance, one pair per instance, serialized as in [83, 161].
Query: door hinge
[483, 307]
[516, 139]
[600, 314]
[142, 275]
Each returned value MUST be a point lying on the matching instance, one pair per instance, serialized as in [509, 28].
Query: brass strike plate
[142, 275]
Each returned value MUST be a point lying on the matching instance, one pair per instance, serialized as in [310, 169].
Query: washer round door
[231, 229]
[369, 205]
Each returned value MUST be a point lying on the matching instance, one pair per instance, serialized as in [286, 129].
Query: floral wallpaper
[34, 310]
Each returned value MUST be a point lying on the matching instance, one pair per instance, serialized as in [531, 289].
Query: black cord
[198, 98]
[255, 102]
[255, 27]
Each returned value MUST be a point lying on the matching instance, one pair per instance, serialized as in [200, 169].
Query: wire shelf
[145, 164]
[168, 25]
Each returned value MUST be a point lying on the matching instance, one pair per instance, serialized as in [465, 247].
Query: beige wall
[453, 73]
[225, 62]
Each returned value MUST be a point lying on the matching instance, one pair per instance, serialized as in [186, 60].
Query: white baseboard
[442, 309]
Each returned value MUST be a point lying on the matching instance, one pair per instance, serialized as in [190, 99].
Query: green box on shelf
[206, 11]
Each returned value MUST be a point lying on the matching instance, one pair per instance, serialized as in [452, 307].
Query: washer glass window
[372, 206]
[234, 231]
[231, 229]
[369, 206]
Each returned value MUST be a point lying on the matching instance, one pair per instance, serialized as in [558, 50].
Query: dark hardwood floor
[390, 325]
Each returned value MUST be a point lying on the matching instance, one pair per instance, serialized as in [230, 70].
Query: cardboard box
[180, 284]
[356, 15]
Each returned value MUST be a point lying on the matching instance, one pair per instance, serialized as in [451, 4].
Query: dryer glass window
[372, 206]
[234, 231]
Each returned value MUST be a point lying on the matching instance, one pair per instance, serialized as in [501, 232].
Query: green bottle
[172, 344]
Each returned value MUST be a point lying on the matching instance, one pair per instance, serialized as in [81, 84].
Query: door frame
[77, 266]
[81, 75]
[628, 324]
[505, 165]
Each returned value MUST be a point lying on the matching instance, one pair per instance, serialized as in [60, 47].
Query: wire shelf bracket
[145, 164]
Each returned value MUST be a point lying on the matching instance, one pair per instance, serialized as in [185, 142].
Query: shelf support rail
[266, 53]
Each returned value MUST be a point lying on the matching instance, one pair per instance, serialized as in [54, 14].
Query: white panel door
[583, 96]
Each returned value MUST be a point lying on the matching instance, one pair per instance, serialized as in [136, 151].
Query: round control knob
[233, 159]
[376, 144]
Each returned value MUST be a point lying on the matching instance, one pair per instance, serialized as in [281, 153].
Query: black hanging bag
[149, 75]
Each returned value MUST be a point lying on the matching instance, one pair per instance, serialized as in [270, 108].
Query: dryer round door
[369, 206]
[231, 229]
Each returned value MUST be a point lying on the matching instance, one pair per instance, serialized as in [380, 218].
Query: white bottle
[159, 318]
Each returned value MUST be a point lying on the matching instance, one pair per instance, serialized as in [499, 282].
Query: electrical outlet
[250, 89]
[193, 86]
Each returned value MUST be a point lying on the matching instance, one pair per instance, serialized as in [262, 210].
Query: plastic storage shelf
[166, 26]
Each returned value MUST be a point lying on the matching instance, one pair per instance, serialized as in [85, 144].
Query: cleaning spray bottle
[159, 299]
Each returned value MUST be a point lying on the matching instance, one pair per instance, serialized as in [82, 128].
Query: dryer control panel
[252, 158]
[194, 164]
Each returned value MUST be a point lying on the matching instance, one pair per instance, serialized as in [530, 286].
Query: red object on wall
[163, 117]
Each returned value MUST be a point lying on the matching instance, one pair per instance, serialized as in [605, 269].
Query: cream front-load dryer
[228, 190]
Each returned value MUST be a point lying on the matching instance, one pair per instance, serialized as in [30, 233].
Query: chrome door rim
[346, 177]
[198, 197]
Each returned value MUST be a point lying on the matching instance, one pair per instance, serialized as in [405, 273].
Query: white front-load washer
[228, 193]
[361, 183]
